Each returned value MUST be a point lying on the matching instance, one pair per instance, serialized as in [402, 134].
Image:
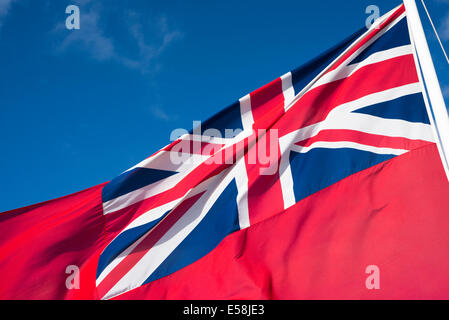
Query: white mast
[432, 91]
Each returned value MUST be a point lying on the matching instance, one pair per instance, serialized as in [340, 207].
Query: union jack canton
[353, 107]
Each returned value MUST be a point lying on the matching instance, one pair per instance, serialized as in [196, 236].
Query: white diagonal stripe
[172, 238]
[349, 70]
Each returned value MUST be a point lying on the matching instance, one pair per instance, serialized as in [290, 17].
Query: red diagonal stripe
[316, 104]
[368, 37]
[364, 138]
[143, 247]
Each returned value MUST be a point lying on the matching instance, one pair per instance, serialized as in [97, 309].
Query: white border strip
[347, 144]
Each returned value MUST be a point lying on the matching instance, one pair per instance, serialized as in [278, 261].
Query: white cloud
[148, 52]
[91, 38]
[444, 29]
[5, 6]
[159, 113]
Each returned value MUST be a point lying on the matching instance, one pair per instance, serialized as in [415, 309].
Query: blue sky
[78, 107]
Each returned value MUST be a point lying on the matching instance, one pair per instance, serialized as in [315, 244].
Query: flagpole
[437, 108]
